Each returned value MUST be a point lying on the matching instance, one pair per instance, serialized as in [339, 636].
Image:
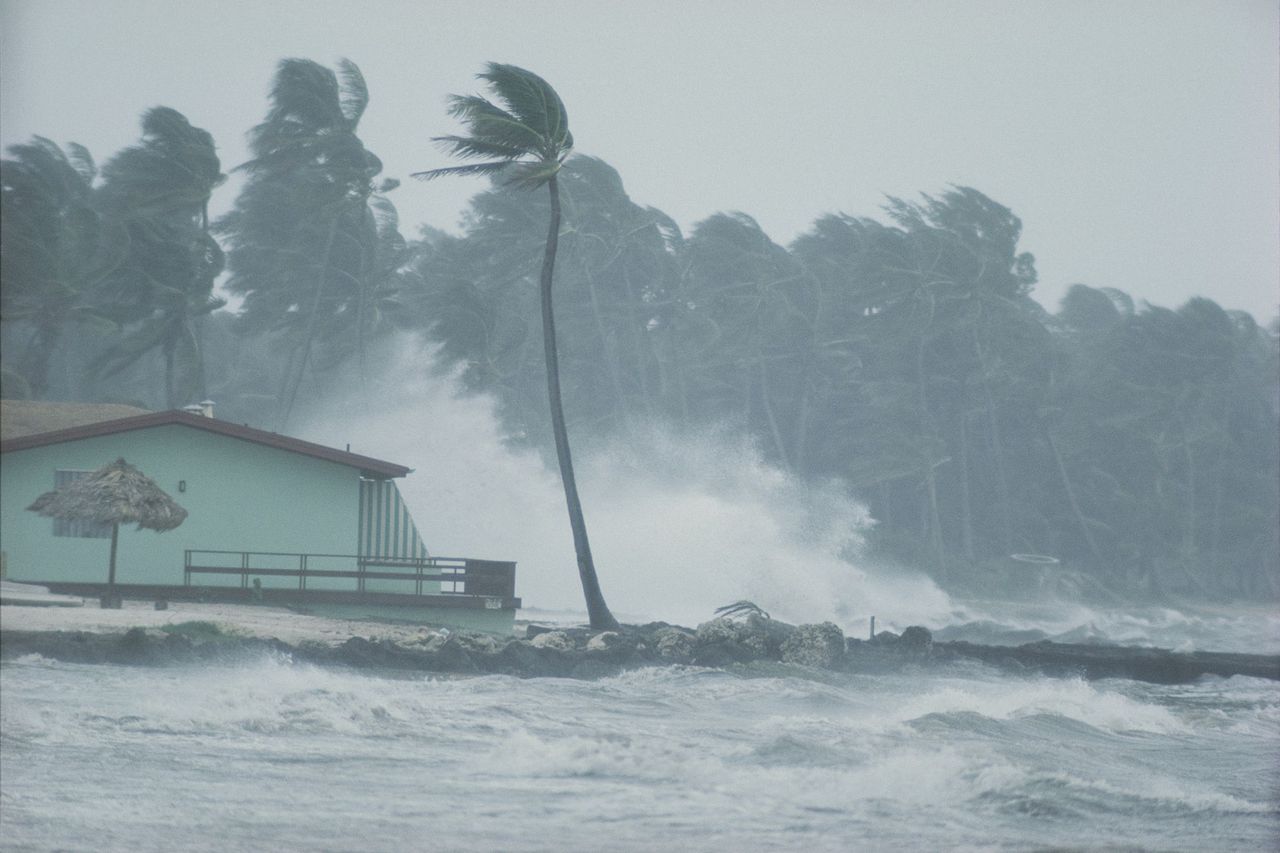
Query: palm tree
[55, 250]
[158, 191]
[526, 140]
[302, 237]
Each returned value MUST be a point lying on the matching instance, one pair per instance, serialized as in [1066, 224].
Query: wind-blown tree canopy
[902, 353]
[306, 250]
[525, 138]
[157, 193]
[54, 250]
[1172, 444]
[904, 356]
[747, 312]
[614, 297]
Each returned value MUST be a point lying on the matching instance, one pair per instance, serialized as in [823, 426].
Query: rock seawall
[582, 653]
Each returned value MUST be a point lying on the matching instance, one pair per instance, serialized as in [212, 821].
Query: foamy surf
[278, 754]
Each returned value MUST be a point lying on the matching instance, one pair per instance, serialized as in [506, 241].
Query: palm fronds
[524, 135]
[742, 607]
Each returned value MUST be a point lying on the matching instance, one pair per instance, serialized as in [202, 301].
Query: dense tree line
[901, 352]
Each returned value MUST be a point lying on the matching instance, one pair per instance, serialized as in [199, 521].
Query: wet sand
[235, 619]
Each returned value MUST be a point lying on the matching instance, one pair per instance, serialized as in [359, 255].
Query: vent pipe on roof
[202, 409]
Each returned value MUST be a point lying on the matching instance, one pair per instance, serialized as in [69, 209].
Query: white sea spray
[681, 521]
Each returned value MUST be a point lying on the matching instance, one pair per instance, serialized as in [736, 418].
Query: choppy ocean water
[274, 755]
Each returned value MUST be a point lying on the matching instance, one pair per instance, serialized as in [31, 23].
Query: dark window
[76, 529]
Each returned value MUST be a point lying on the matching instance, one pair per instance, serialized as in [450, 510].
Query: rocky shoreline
[754, 643]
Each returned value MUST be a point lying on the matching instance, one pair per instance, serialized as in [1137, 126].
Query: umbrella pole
[111, 572]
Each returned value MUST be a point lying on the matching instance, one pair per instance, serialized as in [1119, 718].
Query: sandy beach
[245, 620]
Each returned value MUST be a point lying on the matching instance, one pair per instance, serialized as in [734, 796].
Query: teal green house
[271, 518]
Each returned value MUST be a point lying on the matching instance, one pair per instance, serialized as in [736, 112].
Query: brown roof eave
[369, 467]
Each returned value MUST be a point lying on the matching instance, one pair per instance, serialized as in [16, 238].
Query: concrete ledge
[488, 614]
[31, 595]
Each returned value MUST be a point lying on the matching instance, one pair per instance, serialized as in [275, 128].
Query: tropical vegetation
[901, 351]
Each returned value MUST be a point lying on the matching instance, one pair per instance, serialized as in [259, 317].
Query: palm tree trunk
[202, 378]
[766, 401]
[800, 453]
[311, 324]
[1071, 498]
[966, 498]
[932, 517]
[170, 392]
[997, 448]
[642, 351]
[609, 343]
[38, 354]
[597, 610]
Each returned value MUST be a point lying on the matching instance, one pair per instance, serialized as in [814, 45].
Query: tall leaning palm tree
[524, 140]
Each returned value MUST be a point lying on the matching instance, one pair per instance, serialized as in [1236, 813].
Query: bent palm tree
[527, 140]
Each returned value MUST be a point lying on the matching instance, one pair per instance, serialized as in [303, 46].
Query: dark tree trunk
[1075, 504]
[966, 498]
[37, 356]
[296, 381]
[932, 518]
[597, 610]
[111, 571]
[170, 384]
[997, 449]
[766, 402]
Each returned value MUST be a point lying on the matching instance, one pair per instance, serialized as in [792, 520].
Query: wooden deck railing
[456, 575]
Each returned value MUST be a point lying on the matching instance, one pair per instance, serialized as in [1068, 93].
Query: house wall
[240, 496]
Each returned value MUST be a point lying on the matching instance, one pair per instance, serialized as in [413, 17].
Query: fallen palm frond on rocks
[741, 607]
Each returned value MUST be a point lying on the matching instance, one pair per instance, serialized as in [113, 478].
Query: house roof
[28, 417]
[368, 466]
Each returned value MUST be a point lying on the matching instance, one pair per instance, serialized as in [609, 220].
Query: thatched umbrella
[115, 494]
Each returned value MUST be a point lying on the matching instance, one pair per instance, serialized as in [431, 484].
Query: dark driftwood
[1160, 666]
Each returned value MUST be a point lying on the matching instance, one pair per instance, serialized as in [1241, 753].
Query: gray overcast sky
[1138, 140]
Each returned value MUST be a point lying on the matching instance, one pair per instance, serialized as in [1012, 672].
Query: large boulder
[614, 648]
[674, 645]
[728, 639]
[819, 645]
[603, 641]
[483, 644]
[451, 656]
[558, 640]
[884, 638]
[916, 640]
[522, 658]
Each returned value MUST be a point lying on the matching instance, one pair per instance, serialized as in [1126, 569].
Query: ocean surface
[272, 755]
